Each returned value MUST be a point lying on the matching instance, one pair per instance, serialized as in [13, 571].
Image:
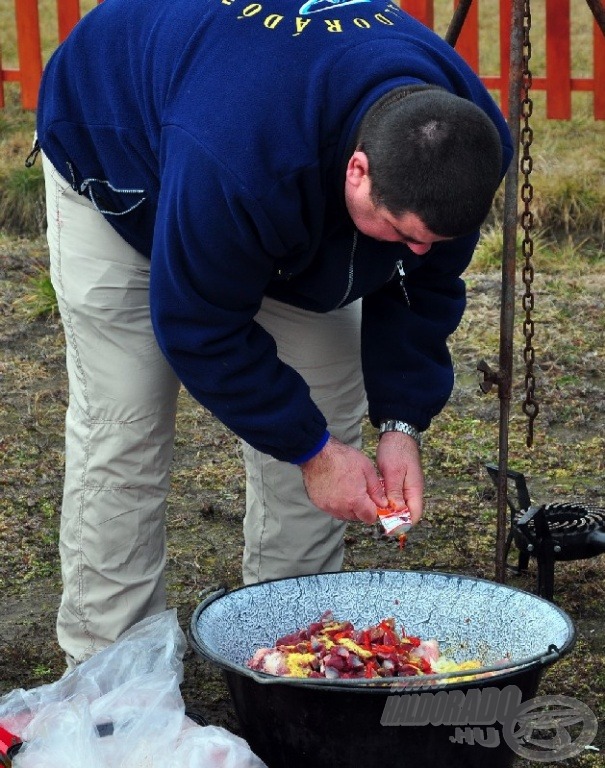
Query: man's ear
[357, 168]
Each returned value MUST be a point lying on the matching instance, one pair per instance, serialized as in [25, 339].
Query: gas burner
[550, 532]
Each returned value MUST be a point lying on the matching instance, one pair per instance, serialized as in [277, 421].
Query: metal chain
[530, 405]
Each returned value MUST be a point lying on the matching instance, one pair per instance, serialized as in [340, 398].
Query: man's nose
[419, 248]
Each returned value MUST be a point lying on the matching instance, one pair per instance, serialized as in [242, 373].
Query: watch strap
[394, 425]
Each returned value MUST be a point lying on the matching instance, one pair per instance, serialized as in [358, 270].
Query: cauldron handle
[552, 654]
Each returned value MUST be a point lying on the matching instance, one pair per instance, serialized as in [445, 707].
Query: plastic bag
[212, 746]
[122, 708]
[154, 645]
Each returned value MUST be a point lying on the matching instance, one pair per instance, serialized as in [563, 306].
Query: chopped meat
[336, 650]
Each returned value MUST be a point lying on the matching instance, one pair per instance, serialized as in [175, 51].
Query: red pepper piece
[371, 667]
[383, 650]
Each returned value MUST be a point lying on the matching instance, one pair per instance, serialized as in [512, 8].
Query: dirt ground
[457, 534]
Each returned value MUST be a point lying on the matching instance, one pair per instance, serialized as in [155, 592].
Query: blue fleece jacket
[213, 135]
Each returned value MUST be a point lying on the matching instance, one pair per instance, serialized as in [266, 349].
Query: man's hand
[398, 460]
[343, 482]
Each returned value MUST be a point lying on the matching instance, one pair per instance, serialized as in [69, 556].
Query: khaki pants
[120, 426]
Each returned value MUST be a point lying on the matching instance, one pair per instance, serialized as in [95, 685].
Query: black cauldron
[298, 723]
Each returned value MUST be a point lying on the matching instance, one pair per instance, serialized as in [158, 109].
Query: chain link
[530, 404]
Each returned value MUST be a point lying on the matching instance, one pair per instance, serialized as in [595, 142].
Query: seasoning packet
[395, 522]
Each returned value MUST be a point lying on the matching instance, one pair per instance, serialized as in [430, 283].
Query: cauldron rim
[461, 678]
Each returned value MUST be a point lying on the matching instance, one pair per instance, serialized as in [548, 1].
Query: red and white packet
[395, 522]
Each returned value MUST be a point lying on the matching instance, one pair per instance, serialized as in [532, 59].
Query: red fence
[558, 82]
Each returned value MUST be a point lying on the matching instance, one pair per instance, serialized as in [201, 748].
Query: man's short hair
[433, 154]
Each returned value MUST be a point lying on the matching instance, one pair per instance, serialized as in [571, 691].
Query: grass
[22, 200]
[40, 299]
[206, 502]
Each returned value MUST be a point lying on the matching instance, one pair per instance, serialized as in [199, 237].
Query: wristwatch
[393, 425]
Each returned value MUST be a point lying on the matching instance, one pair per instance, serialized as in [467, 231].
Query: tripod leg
[546, 577]
[523, 561]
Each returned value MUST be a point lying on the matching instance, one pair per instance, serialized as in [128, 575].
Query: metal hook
[490, 377]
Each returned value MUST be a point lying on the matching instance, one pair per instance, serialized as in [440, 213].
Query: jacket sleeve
[214, 252]
[407, 366]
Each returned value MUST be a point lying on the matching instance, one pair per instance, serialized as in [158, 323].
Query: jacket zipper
[351, 270]
[400, 269]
